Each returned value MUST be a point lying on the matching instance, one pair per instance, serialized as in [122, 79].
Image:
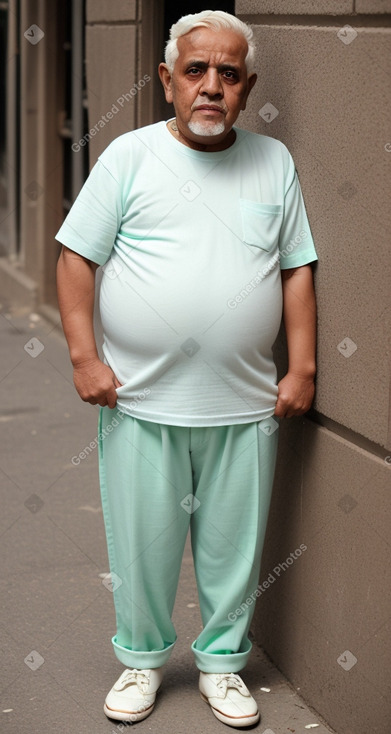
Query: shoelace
[231, 680]
[139, 677]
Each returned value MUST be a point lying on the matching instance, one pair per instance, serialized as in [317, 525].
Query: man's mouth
[210, 108]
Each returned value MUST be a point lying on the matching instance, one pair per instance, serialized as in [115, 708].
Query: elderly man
[204, 241]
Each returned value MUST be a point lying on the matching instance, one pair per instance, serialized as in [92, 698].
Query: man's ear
[250, 83]
[165, 78]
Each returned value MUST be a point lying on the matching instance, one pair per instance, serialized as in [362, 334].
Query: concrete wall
[330, 86]
[122, 53]
[27, 276]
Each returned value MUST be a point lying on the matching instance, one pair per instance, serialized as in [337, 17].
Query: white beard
[206, 129]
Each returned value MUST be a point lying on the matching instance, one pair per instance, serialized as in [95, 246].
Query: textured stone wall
[324, 89]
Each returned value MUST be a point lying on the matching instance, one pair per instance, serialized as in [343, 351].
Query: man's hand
[96, 382]
[295, 395]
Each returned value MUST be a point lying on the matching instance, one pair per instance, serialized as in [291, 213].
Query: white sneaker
[132, 697]
[229, 699]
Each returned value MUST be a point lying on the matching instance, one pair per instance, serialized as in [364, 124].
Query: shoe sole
[230, 720]
[127, 716]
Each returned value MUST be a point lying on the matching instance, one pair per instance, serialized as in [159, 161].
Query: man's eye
[231, 75]
[193, 71]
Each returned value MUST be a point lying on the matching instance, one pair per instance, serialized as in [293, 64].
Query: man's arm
[94, 381]
[296, 390]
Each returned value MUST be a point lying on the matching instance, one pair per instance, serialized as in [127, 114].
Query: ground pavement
[57, 614]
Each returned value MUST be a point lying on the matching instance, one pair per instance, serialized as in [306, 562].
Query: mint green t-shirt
[192, 244]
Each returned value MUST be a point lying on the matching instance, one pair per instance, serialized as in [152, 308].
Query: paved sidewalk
[57, 615]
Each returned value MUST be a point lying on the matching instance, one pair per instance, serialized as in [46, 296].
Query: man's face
[209, 86]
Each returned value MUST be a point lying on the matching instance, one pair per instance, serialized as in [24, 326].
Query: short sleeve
[92, 224]
[296, 244]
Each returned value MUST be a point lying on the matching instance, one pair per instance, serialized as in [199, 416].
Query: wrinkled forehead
[206, 43]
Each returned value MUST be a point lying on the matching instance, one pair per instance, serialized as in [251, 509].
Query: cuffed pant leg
[145, 473]
[233, 478]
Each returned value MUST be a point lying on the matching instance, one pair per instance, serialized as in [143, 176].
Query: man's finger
[111, 398]
[279, 409]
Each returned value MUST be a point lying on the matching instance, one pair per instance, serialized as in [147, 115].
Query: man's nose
[211, 84]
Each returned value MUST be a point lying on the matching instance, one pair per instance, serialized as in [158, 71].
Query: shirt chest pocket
[261, 223]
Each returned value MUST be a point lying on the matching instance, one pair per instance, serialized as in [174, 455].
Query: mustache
[202, 102]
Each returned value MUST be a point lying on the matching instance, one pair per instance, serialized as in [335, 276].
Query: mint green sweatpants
[156, 482]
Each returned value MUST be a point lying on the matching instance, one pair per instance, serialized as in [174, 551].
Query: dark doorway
[173, 10]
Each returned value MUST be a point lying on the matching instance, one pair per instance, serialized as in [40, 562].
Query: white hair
[216, 19]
